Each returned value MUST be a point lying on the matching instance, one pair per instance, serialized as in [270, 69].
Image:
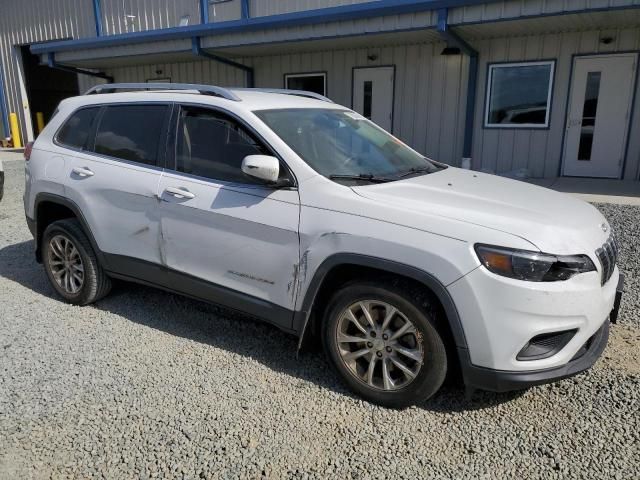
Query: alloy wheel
[66, 264]
[379, 345]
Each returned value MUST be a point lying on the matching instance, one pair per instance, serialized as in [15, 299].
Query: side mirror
[263, 167]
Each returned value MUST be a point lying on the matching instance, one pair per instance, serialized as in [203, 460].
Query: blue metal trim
[4, 109]
[51, 63]
[307, 17]
[97, 15]
[199, 52]
[204, 12]
[454, 39]
[244, 9]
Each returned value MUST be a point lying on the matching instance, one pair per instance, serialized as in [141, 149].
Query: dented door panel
[240, 237]
[119, 202]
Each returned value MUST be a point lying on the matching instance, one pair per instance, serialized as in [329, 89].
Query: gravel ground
[148, 384]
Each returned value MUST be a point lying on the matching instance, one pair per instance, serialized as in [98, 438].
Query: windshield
[344, 145]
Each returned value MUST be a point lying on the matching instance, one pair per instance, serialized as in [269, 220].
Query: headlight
[532, 266]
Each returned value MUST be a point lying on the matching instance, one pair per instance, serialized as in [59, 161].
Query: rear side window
[131, 132]
[75, 131]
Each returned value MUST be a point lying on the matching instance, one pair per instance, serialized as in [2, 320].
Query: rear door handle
[179, 192]
[83, 172]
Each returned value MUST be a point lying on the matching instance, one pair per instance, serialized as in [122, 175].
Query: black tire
[96, 284]
[420, 310]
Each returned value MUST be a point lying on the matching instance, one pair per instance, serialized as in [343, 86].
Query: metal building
[546, 85]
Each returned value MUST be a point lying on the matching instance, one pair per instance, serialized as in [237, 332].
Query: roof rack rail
[202, 89]
[285, 91]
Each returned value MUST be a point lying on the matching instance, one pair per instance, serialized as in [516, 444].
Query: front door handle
[179, 192]
[83, 172]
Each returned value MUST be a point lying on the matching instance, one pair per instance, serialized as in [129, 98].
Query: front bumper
[503, 381]
[500, 316]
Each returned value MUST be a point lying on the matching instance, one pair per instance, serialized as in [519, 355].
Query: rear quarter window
[75, 131]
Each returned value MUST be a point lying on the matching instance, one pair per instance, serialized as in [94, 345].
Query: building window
[310, 82]
[519, 95]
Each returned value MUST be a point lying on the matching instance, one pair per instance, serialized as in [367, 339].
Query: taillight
[27, 151]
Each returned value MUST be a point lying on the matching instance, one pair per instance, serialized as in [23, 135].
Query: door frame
[393, 90]
[635, 86]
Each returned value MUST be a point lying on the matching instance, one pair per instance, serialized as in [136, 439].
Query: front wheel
[384, 343]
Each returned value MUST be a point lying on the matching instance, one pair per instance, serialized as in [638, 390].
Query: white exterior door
[599, 114]
[373, 94]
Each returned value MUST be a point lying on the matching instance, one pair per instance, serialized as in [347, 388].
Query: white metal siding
[540, 151]
[124, 16]
[261, 8]
[509, 9]
[30, 21]
[410, 21]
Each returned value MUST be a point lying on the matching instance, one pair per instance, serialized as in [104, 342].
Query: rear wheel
[384, 343]
[71, 264]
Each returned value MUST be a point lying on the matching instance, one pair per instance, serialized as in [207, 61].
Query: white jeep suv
[296, 210]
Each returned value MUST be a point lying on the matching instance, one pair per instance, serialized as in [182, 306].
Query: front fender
[303, 315]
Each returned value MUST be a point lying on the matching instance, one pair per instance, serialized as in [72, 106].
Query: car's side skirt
[147, 273]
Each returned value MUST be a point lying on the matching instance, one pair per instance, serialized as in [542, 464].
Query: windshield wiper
[416, 171]
[367, 177]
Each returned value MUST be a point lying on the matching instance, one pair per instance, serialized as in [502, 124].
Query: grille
[608, 256]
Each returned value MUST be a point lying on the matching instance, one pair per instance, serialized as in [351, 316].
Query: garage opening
[45, 86]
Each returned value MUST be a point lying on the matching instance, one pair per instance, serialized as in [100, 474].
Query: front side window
[310, 82]
[212, 145]
[75, 132]
[341, 143]
[131, 132]
[519, 95]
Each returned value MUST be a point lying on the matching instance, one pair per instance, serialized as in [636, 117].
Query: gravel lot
[148, 384]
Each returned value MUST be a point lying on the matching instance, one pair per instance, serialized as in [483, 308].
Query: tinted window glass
[76, 130]
[212, 145]
[131, 132]
[309, 82]
[519, 94]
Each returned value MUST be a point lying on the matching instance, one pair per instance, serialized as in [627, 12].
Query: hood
[554, 222]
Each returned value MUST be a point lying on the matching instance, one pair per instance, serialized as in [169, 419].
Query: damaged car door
[226, 236]
[113, 158]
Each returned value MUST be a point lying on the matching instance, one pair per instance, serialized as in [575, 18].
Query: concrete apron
[596, 190]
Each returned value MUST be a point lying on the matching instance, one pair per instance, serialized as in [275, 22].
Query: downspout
[204, 11]
[51, 63]
[199, 52]
[454, 40]
[244, 9]
[97, 16]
